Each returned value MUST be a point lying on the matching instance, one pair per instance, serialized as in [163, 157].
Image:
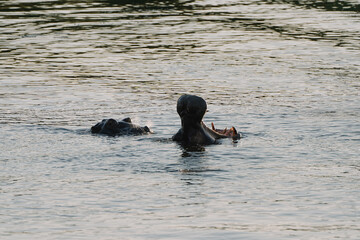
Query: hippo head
[193, 131]
[191, 110]
[112, 127]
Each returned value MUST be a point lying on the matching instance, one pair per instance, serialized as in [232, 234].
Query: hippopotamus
[112, 127]
[191, 110]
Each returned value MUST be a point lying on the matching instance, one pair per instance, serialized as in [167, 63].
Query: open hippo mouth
[232, 132]
[191, 110]
[124, 127]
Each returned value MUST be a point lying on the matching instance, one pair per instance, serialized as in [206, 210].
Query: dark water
[285, 73]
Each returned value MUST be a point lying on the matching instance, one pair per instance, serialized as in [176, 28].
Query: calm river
[285, 73]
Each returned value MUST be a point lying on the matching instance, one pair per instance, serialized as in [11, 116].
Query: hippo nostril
[96, 128]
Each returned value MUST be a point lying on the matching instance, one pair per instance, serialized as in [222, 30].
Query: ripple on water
[284, 73]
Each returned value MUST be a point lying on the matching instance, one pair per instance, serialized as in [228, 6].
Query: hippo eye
[111, 123]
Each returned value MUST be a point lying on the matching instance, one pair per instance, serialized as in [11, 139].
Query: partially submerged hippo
[191, 110]
[124, 127]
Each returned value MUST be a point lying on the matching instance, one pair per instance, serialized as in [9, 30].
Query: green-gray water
[285, 73]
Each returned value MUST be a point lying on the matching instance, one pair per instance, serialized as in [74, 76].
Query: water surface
[284, 73]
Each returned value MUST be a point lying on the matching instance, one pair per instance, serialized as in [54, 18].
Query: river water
[284, 73]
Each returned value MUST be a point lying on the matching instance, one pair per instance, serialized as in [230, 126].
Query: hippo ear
[147, 129]
[128, 120]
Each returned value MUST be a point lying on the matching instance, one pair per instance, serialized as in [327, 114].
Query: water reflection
[193, 166]
[117, 15]
[150, 4]
[192, 150]
[31, 6]
[75, 4]
[336, 5]
[193, 158]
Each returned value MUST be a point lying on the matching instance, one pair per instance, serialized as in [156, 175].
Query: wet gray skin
[112, 127]
[191, 110]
